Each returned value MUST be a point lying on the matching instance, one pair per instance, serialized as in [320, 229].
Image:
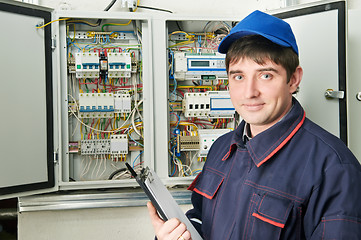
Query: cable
[84, 22]
[115, 24]
[116, 172]
[110, 5]
[137, 158]
[60, 19]
[156, 9]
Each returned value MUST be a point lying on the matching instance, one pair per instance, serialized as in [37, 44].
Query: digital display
[199, 63]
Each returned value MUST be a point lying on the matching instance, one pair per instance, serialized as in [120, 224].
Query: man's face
[260, 93]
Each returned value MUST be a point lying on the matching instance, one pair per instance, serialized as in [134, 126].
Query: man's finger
[156, 220]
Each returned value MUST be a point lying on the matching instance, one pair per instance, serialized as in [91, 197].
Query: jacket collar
[266, 144]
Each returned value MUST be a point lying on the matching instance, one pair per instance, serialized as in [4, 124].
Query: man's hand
[172, 229]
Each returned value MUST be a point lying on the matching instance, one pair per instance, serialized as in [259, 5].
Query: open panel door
[321, 37]
[26, 101]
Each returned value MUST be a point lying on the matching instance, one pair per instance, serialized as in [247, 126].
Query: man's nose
[251, 88]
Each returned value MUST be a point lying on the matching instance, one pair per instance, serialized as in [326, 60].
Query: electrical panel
[199, 104]
[104, 91]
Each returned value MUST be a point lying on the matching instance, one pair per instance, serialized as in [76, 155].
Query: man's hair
[259, 49]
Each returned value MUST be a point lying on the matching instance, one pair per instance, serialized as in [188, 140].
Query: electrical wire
[110, 5]
[156, 9]
[60, 19]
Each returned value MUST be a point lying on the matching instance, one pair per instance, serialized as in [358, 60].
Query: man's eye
[266, 76]
[238, 77]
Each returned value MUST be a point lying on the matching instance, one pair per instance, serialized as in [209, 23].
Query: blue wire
[72, 43]
[200, 40]
[137, 157]
[135, 141]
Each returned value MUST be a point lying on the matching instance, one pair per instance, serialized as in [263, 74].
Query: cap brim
[228, 40]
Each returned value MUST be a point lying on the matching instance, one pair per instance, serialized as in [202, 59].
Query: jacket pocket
[209, 182]
[269, 217]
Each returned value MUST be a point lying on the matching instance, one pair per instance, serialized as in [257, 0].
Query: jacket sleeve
[195, 214]
[334, 209]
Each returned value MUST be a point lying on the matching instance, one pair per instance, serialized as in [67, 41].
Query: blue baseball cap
[260, 23]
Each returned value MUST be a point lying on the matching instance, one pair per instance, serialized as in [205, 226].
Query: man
[278, 175]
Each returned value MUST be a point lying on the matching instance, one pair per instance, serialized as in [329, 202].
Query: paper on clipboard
[163, 200]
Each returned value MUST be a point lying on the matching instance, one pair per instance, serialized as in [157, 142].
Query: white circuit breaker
[120, 65]
[92, 105]
[87, 64]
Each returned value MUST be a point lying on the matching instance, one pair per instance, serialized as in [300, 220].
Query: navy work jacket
[292, 181]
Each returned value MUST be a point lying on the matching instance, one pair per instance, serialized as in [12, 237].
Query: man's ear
[296, 79]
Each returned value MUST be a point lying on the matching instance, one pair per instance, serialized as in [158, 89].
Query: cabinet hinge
[53, 44]
[56, 158]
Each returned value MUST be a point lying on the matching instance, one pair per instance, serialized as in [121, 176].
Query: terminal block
[95, 146]
[189, 143]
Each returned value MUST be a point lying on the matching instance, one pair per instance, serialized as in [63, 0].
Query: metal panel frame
[45, 14]
[148, 104]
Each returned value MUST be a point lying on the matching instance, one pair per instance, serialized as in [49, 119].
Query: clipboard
[161, 198]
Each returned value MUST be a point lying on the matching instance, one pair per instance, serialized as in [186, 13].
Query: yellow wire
[81, 131]
[175, 32]
[181, 43]
[118, 24]
[60, 19]
[181, 87]
[115, 118]
[83, 21]
[185, 124]
[195, 170]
